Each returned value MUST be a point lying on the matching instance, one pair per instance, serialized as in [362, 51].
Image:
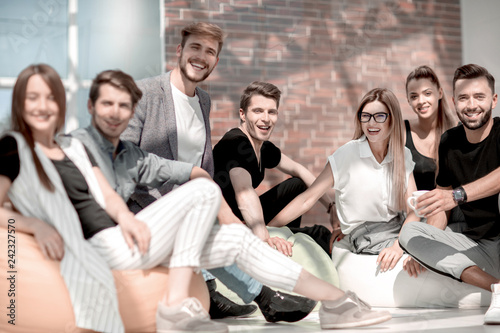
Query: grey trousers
[373, 237]
[447, 252]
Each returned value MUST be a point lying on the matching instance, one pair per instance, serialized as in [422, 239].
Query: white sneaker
[189, 316]
[492, 316]
[349, 311]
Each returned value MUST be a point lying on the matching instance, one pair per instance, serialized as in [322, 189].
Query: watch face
[458, 195]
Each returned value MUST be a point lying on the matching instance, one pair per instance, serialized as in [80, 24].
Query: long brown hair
[396, 144]
[445, 116]
[52, 79]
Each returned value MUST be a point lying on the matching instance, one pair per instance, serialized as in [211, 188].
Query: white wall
[481, 37]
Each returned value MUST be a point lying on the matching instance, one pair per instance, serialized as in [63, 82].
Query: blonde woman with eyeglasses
[372, 177]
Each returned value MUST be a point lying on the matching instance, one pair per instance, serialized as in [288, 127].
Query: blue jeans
[246, 287]
[272, 202]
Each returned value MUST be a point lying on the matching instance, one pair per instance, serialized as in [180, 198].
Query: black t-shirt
[234, 150]
[425, 167]
[9, 158]
[462, 162]
[92, 217]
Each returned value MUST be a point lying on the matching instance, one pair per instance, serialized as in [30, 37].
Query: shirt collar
[103, 143]
[366, 152]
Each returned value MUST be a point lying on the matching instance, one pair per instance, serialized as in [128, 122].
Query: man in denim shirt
[125, 165]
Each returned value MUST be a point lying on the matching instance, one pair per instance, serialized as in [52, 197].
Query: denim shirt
[132, 166]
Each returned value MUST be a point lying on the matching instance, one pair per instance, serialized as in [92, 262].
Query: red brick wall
[323, 55]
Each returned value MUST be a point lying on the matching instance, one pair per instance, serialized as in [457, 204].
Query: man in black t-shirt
[240, 160]
[469, 176]
[126, 165]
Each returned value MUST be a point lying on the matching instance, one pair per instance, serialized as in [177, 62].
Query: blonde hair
[396, 143]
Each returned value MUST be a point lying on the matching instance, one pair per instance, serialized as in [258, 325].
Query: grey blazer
[153, 128]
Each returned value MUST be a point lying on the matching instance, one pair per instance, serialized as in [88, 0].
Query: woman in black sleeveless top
[434, 116]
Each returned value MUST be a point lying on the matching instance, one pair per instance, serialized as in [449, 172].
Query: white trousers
[184, 234]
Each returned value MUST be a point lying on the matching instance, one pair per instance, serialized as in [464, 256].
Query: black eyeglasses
[379, 117]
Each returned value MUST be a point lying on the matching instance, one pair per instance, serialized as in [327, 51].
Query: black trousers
[275, 199]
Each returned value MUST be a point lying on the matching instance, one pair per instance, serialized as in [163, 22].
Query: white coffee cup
[412, 201]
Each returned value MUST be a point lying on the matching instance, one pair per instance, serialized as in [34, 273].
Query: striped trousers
[184, 234]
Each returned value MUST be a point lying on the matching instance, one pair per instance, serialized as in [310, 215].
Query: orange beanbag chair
[35, 297]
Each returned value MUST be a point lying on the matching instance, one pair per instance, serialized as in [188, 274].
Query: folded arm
[304, 201]
[441, 199]
[154, 171]
[47, 237]
[292, 168]
[133, 229]
[251, 209]
[225, 215]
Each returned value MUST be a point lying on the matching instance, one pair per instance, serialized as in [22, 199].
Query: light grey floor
[404, 320]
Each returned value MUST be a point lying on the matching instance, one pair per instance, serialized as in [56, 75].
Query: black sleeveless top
[425, 167]
[92, 217]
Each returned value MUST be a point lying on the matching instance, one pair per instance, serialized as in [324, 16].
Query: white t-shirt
[191, 132]
[362, 185]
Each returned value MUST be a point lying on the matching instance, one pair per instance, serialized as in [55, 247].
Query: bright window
[79, 39]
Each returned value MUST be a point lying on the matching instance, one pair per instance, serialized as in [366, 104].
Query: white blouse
[363, 185]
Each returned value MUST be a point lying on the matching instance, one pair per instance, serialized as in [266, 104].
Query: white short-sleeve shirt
[362, 185]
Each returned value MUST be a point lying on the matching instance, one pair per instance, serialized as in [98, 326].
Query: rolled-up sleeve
[155, 170]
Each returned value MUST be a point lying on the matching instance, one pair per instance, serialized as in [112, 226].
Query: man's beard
[472, 125]
[190, 77]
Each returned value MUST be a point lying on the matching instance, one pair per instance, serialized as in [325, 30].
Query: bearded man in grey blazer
[154, 127]
[172, 121]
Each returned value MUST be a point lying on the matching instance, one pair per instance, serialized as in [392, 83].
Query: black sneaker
[222, 307]
[278, 306]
